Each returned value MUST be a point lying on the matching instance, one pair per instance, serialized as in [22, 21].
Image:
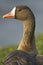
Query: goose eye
[19, 9]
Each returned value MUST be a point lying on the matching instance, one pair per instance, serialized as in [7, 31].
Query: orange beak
[8, 15]
[11, 14]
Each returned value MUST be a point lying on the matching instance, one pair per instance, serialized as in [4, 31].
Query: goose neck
[28, 42]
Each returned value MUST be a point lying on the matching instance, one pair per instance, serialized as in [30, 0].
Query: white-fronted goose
[25, 14]
[22, 55]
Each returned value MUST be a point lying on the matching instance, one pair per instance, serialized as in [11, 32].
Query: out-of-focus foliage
[39, 43]
[5, 51]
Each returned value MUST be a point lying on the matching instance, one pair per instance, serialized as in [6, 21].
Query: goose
[25, 14]
[26, 53]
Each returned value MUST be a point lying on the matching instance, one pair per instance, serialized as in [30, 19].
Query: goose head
[19, 12]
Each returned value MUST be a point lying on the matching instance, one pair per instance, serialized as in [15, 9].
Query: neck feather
[28, 42]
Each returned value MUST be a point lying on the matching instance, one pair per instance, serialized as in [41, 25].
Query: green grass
[39, 43]
[5, 51]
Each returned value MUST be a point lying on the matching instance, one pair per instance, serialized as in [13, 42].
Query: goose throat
[28, 42]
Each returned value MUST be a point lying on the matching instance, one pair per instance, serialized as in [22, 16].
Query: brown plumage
[27, 44]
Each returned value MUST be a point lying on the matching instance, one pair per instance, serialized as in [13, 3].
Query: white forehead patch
[13, 11]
